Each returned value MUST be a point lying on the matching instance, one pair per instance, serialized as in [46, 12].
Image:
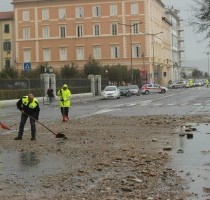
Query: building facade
[59, 32]
[177, 42]
[6, 40]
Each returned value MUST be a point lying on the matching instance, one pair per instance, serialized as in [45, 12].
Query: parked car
[197, 83]
[134, 89]
[185, 83]
[124, 91]
[111, 92]
[179, 84]
[153, 88]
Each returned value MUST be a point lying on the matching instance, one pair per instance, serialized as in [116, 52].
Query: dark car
[134, 90]
[124, 91]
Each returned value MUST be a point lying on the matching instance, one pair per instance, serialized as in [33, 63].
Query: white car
[153, 88]
[111, 92]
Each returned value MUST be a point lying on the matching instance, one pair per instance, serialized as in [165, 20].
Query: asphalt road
[174, 102]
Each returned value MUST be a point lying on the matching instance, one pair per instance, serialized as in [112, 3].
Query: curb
[74, 98]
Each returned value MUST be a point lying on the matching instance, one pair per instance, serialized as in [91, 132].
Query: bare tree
[201, 17]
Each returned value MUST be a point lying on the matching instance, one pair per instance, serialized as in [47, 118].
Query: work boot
[33, 138]
[66, 119]
[63, 118]
[18, 138]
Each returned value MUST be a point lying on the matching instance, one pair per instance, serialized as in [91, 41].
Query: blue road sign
[27, 66]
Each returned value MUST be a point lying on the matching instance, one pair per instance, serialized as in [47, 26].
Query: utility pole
[153, 53]
[131, 52]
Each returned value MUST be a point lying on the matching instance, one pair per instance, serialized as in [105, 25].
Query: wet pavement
[192, 160]
[27, 167]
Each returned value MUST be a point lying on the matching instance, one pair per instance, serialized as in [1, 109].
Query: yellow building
[61, 32]
[6, 40]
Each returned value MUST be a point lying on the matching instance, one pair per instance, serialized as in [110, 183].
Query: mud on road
[103, 157]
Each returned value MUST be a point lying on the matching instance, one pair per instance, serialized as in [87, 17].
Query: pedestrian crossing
[161, 104]
[177, 104]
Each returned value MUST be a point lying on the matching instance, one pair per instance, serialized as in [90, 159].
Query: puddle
[26, 167]
[193, 161]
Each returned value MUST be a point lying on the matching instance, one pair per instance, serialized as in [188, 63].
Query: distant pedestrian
[207, 83]
[65, 94]
[50, 94]
[28, 106]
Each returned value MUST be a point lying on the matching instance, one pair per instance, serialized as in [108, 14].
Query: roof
[6, 15]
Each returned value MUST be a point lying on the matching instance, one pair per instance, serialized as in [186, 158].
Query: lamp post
[153, 53]
[130, 26]
[207, 53]
[29, 86]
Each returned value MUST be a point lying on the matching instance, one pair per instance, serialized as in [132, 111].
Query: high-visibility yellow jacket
[30, 108]
[65, 95]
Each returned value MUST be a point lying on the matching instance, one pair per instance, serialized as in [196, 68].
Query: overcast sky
[194, 46]
[194, 43]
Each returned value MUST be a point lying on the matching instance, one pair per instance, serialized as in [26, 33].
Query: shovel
[57, 135]
[4, 126]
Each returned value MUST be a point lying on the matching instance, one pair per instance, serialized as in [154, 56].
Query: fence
[14, 89]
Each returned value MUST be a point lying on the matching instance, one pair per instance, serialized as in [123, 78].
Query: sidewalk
[75, 98]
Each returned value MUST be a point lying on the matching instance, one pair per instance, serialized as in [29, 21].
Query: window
[6, 28]
[7, 64]
[63, 54]
[79, 30]
[80, 53]
[62, 13]
[46, 55]
[7, 46]
[136, 51]
[26, 16]
[45, 14]
[26, 33]
[96, 11]
[114, 29]
[135, 28]
[96, 52]
[62, 31]
[113, 10]
[79, 12]
[27, 55]
[134, 8]
[164, 74]
[96, 29]
[45, 32]
[115, 52]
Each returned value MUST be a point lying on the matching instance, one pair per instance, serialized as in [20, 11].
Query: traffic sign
[26, 66]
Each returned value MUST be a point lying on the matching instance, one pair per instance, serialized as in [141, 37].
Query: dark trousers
[50, 99]
[24, 118]
[65, 111]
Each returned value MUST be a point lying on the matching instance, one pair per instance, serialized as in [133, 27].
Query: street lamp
[130, 26]
[153, 52]
[207, 53]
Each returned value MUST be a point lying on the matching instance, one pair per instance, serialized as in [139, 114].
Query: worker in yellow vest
[65, 94]
[29, 107]
[207, 83]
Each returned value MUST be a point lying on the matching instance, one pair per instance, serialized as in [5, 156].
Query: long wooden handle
[40, 123]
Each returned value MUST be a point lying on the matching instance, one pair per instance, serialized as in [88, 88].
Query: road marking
[197, 104]
[109, 108]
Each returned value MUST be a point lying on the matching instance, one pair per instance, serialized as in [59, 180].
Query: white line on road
[197, 104]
